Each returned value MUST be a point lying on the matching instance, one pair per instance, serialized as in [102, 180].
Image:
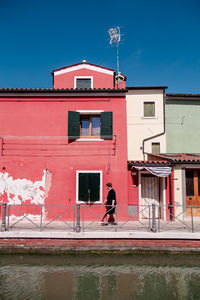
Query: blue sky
[160, 43]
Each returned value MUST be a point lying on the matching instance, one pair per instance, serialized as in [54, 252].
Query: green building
[182, 119]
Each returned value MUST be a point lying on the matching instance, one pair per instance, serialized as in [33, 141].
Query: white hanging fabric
[157, 171]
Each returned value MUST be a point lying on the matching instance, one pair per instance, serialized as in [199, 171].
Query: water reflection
[99, 277]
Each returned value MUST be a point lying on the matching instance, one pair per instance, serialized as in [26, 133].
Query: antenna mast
[115, 37]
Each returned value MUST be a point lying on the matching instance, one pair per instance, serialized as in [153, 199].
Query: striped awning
[157, 171]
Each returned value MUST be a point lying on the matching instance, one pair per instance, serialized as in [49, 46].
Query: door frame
[162, 188]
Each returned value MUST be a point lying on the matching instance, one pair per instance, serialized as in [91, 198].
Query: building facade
[145, 121]
[61, 146]
[182, 123]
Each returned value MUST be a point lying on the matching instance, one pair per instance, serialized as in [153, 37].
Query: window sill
[149, 118]
[91, 203]
[90, 140]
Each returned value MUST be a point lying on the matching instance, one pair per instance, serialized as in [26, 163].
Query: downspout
[154, 136]
[170, 198]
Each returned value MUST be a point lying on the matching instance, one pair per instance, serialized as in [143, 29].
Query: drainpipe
[170, 198]
[154, 136]
[170, 178]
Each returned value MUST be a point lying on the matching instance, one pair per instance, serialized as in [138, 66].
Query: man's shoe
[104, 224]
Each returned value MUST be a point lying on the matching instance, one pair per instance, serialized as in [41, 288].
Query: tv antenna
[115, 38]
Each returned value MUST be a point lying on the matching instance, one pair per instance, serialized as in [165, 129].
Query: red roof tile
[178, 157]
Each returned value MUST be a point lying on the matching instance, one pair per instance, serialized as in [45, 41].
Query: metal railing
[77, 218]
[39, 216]
[179, 218]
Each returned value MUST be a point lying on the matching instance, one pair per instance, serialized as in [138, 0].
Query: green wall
[182, 126]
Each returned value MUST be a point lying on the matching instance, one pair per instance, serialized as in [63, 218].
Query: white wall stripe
[83, 66]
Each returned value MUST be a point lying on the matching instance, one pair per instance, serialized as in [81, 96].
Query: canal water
[99, 277]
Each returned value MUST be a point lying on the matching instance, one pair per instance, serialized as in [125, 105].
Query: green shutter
[73, 125]
[83, 194]
[94, 185]
[107, 125]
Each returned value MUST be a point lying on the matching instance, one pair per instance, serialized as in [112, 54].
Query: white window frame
[83, 77]
[151, 101]
[89, 112]
[77, 184]
[156, 142]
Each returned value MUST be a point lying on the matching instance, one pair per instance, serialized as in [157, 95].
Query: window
[89, 186]
[189, 183]
[149, 109]
[90, 125]
[155, 147]
[83, 82]
[192, 183]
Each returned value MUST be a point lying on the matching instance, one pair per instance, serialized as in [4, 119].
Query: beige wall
[179, 191]
[139, 127]
[178, 185]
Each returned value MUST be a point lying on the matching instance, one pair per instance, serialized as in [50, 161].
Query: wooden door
[193, 191]
[150, 193]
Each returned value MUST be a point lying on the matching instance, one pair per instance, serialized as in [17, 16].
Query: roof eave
[81, 63]
[147, 87]
[16, 93]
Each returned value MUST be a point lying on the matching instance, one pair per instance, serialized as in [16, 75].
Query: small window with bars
[83, 83]
[155, 148]
[149, 109]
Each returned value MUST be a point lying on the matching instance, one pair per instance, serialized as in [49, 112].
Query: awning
[157, 171]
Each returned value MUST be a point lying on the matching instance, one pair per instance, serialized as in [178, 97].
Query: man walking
[110, 205]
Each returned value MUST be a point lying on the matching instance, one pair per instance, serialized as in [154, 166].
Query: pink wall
[100, 80]
[34, 136]
[133, 194]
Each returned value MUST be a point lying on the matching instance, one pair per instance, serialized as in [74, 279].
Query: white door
[150, 193]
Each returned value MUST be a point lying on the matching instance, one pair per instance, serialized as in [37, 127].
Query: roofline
[162, 156]
[17, 93]
[147, 87]
[180, 96]
[81, 63]
[149, 163]
[175, 160]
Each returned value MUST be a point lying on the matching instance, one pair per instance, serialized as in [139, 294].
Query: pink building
[60, 146]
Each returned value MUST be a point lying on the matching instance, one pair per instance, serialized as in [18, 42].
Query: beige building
[185, 183]
[145, 121]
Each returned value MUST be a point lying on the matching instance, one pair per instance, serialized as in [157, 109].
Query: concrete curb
[100, 235]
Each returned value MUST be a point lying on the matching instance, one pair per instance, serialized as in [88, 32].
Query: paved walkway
[94, 230]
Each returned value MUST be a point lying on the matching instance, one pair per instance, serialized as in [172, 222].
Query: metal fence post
[41, 217]
[116, 222]
[192, 219]
[149, 217]
[153, 228]
[8, 219]
[3, 223]
[78, 224]
[159, 216]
